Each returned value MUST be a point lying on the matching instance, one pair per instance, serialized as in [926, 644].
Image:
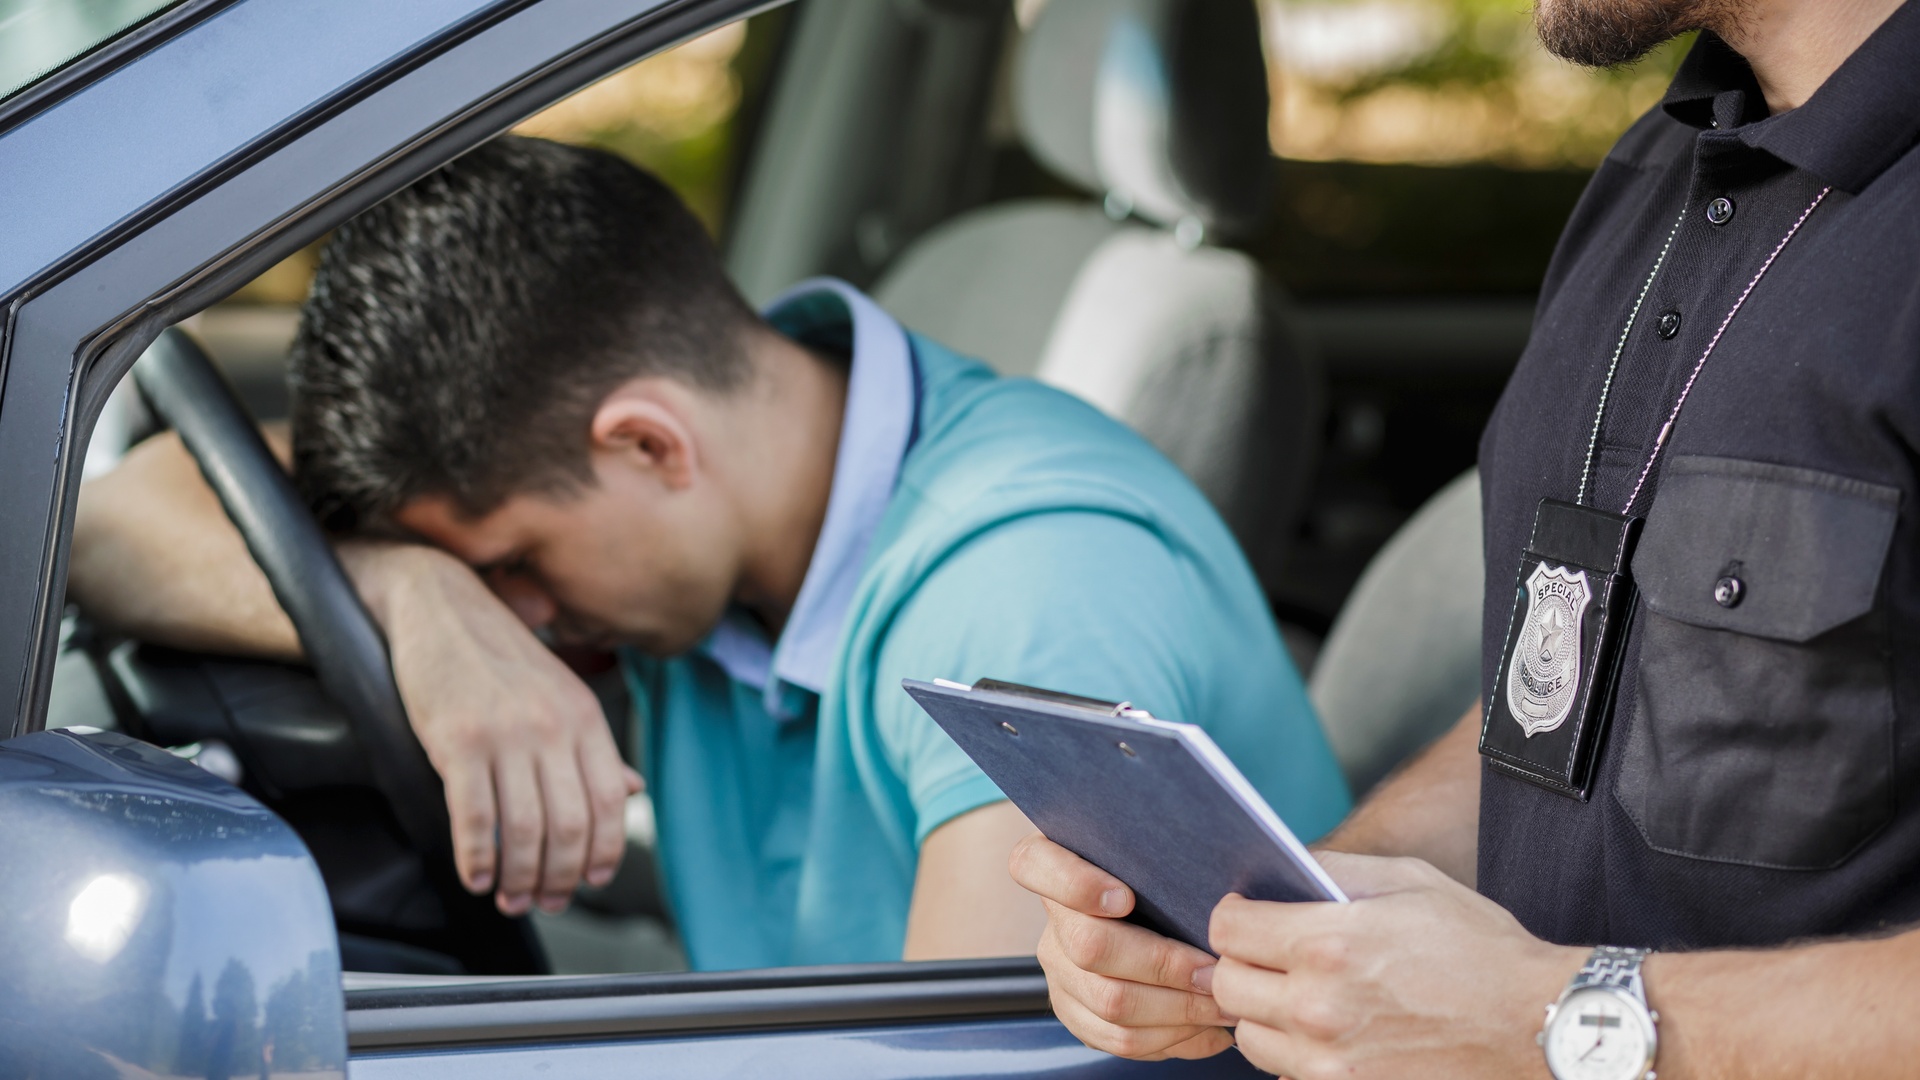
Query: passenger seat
[1402, 662]
[1159, 109]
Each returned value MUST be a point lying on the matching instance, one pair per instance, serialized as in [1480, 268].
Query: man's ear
[639, 423]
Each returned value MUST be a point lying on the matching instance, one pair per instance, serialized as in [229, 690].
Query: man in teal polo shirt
[532, 362]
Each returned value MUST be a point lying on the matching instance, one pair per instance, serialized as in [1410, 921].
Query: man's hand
[1116, 986]
[1419, 976]
[520, 742]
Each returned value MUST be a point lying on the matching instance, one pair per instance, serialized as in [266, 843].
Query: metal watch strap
[1616, 966]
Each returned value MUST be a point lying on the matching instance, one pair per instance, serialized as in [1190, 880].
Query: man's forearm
[1839, 1009]
[1430, 809]
[154, 556]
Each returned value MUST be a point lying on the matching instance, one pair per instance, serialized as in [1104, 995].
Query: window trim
[545, 1010]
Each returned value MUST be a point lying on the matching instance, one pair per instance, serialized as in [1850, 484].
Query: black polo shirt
[1760, 775]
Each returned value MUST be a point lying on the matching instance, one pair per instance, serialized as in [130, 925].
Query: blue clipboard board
[1154, 803]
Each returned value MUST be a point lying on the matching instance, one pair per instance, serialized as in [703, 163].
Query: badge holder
[1553, 690]
[1554, 687]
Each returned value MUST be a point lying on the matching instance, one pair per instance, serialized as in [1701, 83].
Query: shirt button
[1668, 325]
[1728, 591]
[1720, 211]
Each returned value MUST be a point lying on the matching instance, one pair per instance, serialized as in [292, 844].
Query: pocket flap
[1805, 547]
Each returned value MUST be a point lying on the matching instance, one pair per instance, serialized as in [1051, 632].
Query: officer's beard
[1607, 33]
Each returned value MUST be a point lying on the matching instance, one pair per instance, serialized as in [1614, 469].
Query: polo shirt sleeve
[1081, 602]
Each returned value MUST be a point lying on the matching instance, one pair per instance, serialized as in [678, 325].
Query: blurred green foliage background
[1443, 82]
[672, 113]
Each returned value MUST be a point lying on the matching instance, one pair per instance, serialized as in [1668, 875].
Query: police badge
[1554, 684]
[1545, 672]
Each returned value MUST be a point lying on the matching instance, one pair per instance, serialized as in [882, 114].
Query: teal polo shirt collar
[876, 431]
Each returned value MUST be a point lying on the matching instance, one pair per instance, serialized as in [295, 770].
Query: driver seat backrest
[1158, 107]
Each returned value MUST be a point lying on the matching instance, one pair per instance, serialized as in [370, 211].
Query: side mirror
[156, 921]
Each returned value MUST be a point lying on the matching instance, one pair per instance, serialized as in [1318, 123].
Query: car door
[160, 171]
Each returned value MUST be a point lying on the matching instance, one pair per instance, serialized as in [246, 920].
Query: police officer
[1701, 724]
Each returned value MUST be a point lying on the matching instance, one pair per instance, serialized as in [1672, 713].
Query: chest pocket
[1762, 726]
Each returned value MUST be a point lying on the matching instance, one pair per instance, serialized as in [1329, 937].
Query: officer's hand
[1419, 976]
[520, 742]
[1118, 987]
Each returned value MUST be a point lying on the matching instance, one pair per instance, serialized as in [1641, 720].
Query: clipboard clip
[1119, 709]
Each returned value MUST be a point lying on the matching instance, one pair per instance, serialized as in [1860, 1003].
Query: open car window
[685, 114]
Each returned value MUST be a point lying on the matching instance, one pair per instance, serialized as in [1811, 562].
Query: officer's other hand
[520, 742]
[1418, 976]
[1116, 986]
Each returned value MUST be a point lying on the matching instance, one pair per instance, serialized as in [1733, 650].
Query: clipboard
[1156, 804]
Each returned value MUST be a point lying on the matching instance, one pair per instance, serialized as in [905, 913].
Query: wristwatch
[1601, 1028]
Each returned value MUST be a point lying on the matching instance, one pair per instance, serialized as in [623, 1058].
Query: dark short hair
[460, 335]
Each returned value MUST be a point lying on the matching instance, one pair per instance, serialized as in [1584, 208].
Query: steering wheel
[342, 643]
[397, 899]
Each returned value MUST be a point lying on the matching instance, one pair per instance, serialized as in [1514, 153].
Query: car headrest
[1161, 105]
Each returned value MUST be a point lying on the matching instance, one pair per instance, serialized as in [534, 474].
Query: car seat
[1158, 108]
[1402, 662]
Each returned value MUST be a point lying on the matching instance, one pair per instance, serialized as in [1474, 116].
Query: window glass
[37, 36]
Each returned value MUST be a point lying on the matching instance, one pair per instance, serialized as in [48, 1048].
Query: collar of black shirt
[1861, 120]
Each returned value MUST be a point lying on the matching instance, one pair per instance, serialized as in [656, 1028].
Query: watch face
[1599, 1034]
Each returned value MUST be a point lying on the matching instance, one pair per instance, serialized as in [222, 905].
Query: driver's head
[519, 358]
